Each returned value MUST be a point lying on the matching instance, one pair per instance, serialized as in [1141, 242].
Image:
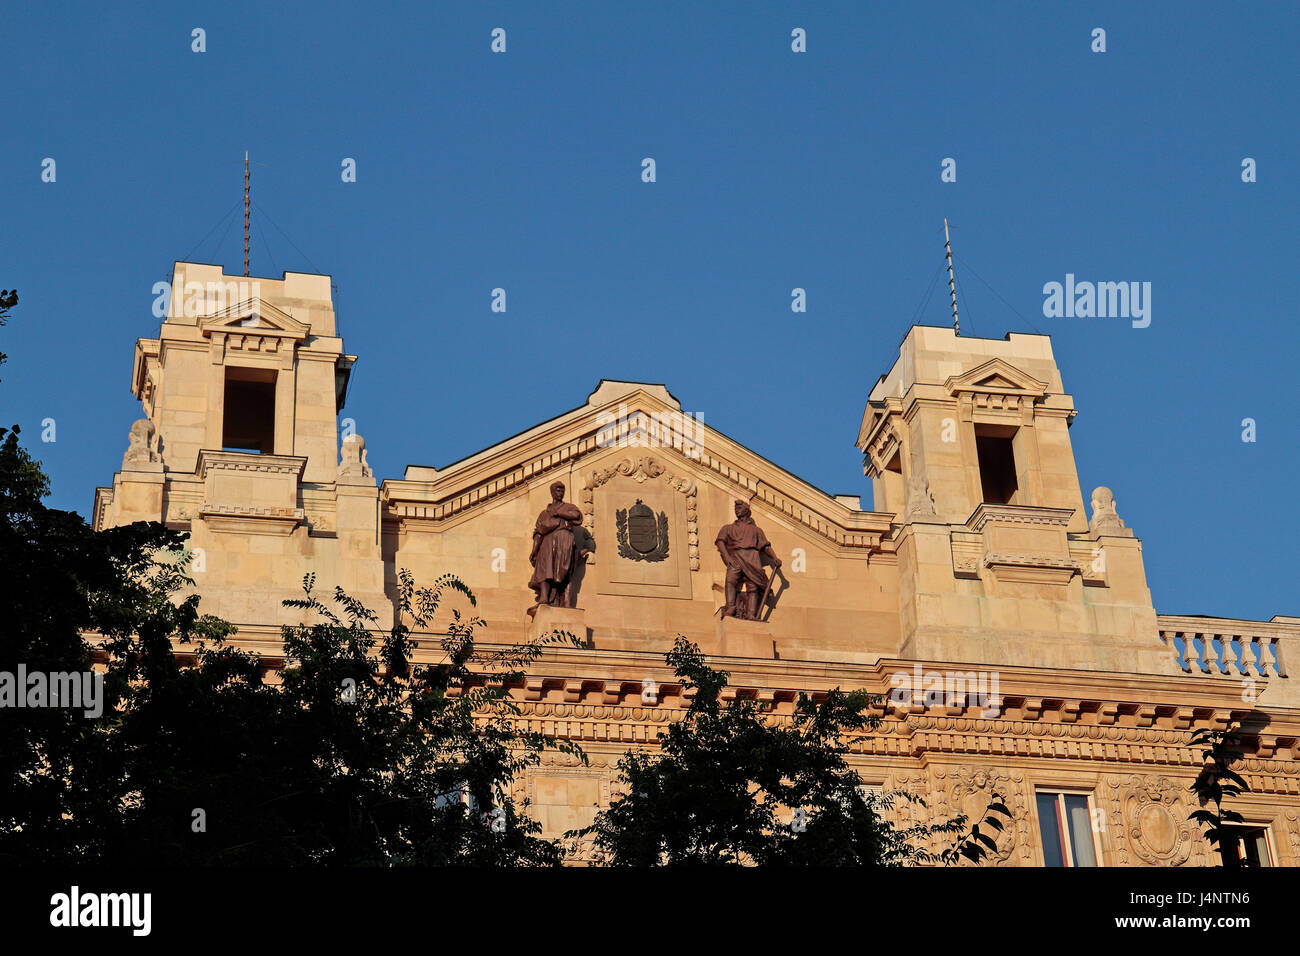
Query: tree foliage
[358, 750]
[732, 785]
[59, 580]
[1220, 748]
[358, 755]
[8, 299]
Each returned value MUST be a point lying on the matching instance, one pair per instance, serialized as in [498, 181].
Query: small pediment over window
[995, 381]
[996, 376]
[254, 314]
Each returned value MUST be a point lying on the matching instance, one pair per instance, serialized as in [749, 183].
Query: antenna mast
[246, 219]
[947, 251]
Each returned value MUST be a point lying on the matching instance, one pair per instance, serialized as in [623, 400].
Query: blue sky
[775, 170]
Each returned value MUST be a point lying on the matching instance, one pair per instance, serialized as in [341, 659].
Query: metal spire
[952, 282]
[246, 214]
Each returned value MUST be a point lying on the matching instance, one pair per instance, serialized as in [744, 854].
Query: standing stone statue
[742, 545]
[554, 552]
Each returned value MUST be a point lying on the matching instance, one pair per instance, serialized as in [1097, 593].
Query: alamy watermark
[204, 298]
[79, 690]
[947, 688]
[1101, 300]
[77, 909]
[680, 430]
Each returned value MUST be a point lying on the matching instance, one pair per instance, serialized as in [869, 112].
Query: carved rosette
[641, 470]
[1150, 817]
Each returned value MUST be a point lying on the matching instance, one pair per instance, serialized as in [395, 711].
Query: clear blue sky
[775, 170]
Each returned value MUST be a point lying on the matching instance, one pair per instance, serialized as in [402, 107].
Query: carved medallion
[642, 536]
[1153, 820]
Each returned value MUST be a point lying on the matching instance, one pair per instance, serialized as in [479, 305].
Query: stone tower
[240, 444]
[967, 442]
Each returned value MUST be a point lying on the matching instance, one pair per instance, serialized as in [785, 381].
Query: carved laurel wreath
[640, 470]
[625, 548]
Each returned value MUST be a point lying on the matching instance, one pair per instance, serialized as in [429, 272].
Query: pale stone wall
[1097, 693]
[476, 519]
[258, 522]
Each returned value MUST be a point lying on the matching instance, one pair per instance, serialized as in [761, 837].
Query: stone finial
[352, 451]
[1105, 520]
[140, 449]
[920, 502]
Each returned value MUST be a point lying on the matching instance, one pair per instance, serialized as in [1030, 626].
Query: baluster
[1213, 653]
[1279, 665]
[1176, 640]
[1261, 658]
[1198, 644]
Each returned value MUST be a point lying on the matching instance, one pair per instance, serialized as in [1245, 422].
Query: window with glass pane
[1065, 825]
[1245, 846]
[458, 794]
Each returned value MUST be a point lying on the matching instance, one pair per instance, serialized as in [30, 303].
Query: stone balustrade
[1226, 647]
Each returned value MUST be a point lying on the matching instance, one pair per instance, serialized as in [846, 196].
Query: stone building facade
[980, 576]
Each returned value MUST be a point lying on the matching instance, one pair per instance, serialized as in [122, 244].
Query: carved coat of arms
[642, 535]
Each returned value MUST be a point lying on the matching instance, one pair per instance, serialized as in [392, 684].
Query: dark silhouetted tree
[1219, 750]
[359, 755]
[733, 785]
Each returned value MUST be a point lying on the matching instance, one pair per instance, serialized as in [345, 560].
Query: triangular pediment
[254, 316]
[632, 427]
[996, 376]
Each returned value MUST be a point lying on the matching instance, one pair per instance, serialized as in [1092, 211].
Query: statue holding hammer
[743, 545]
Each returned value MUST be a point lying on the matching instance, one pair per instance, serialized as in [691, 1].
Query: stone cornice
[1033, 694]
[602, 698]
[1028, 694]
[875, 418]
[1018, 514]
[99, 514]
[625, 716]
[145, 349]
[182, 344]
[500, 471]
[249, 461]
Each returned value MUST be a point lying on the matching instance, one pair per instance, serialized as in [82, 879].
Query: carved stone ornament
[920, 500]
[642, 536]
[352, 454]
[970, 790]
[1153, 820]
[140, 443]
[1105, 519]
[582, 850]
[641, 470]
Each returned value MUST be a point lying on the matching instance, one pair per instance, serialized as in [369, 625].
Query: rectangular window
[249, 410]
[459, 794]
[1065, 825]
[997, 461]
[1246, 846]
